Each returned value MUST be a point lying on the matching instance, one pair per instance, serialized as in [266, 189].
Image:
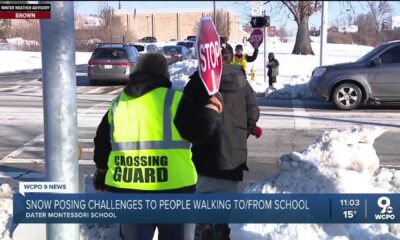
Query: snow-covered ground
[11, 61]
[340, 161]
[5, 211]
[295, 70]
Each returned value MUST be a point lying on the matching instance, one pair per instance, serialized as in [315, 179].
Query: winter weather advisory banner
[205, 208]
[25, 11]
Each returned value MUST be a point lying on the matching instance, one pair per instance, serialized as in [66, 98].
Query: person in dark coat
[220, 153]
[273, 70]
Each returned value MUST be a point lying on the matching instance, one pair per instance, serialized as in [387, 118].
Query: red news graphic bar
[25, 15]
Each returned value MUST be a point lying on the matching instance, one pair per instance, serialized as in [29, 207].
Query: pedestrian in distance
[273, 70]
[219, 150]
[241, 59]
[138, 149]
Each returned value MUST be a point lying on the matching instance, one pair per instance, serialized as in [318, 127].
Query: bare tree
[341, 23]
[302, 11]
[222, 22]
[282, 33]
[111, 24]
[381, 12]
[5, 24]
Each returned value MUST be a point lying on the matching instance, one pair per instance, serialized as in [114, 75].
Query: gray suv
[375, 77]
[112, 62]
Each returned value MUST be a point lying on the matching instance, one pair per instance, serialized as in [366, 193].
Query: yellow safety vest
[148, 153]
[240, 62]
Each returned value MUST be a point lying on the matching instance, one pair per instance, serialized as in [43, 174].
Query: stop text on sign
[256, 38]
[209, 54]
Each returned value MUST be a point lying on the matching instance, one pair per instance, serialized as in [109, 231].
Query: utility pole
[323, 32]
[119, 5]
[214, 12]
[147, 17]
[265, 50]
[60, 108]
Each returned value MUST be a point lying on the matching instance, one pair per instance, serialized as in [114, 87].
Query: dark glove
[257, 132]
[99, 179]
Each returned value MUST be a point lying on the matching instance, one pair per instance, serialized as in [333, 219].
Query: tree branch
[293, 9]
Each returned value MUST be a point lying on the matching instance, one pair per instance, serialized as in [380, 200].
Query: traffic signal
[260, 22]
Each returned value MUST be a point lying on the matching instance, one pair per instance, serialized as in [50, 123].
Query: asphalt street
[288, 125]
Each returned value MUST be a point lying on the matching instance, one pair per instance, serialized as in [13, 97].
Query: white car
[190, 45]
[146, 48]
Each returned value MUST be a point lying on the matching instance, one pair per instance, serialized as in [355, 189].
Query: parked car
[112, 62]
[146, 48]
[175, 53]
[191, 38]
[148, 40]
[375, 77]
[190, 45]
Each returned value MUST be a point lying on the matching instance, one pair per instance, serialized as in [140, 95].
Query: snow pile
[181, 71]
[5, 211]
[20, 41]
[340, 161]
[11, 61]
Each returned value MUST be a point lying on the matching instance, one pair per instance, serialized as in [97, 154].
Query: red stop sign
[256, 38]
[209, 55]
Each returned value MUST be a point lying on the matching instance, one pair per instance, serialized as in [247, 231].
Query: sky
[241, 8]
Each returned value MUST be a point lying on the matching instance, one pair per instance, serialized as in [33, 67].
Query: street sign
[260, 22]
[210, 59]
[256, 8]
[256, 38]
[271, 31]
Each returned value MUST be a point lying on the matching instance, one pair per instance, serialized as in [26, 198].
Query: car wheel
[347, 96]
[92, 82]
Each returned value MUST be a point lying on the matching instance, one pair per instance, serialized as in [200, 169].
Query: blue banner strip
[205, 208]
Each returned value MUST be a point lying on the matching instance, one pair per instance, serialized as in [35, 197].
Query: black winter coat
[220, 151]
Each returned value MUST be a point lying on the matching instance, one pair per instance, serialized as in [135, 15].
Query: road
[288, 125]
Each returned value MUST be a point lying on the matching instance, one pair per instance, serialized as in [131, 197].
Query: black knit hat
[239, 47]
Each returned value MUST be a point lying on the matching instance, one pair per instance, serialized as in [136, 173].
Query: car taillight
[120, 63]
[92, 63]
[177, 55]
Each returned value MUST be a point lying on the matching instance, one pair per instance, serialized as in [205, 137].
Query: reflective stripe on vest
[162, 160]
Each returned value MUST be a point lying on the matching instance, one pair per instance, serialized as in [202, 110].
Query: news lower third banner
[205, 208]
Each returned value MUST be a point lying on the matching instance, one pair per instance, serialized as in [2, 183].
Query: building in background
[87, 22]
[349, 29]
[395, 22]
[174, 25]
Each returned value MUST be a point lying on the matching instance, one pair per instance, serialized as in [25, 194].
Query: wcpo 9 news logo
[386, 212]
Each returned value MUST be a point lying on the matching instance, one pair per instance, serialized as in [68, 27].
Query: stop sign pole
[209, 55]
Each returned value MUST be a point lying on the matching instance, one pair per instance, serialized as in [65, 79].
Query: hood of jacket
[233, 78]
[271, 55]
[143, 82]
